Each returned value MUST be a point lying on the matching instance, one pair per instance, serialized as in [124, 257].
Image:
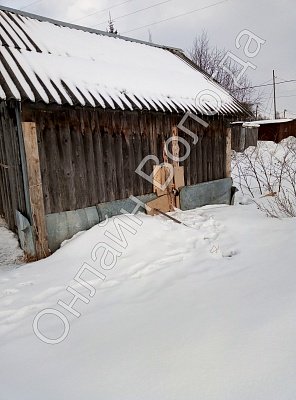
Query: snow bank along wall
[88, 159]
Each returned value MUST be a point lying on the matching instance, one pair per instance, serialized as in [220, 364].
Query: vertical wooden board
[194, 164]
[205, 156]
[159, 152]
[128, 171]
[132, 165]
[79, 166]
[44, 133]
[20, 186]
[108, 164]
[159, 179]
[62, 168]
[187, 169]
[218, 156]
[12, 185]
[35, 189]
[215, 153]
[175, 146]
[138, 157]
[68, 163]
[153, 135]
[53, 166]
[45, 175]
[99, 160]
[148, 168]
[119, 167]
[6, 201]
[179, 177]
[210, 154]
[91, 176]
[199, 157]
[228, 153]
[223, 151]
[112, 160]
[9, 174]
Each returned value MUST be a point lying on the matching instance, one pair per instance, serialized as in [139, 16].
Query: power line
[31, 4]
[291, 95]
[269, 100]
[176, 16]
[279, 97]
[100, 11]
[263, 83]
[135, 12]
[270, 84]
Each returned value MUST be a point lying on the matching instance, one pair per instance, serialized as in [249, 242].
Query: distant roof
[43, 60]
[263, 122]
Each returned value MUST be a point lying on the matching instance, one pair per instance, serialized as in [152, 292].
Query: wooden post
[228, 153]
[175, 146]
[35, 189]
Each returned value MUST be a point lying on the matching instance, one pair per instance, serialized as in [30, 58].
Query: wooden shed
[276, 130]
[244, 135]
[80, 109]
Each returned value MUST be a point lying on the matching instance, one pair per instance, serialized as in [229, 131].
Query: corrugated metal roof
[42, 60]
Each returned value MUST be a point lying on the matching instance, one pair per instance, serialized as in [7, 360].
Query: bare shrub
[267, 174]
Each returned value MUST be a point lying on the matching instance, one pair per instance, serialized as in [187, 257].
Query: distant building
[276, 130]
[246, 134]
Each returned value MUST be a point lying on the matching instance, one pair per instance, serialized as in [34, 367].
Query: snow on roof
[272, 121]
[262, 122]
[43, 60]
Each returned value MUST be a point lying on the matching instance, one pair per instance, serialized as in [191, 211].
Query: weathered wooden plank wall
[277, 132]
[12, 195]
[242, 138]
[90, 156]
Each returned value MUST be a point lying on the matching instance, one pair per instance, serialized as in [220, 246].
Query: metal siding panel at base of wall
[208, 193]
[113, 208]
[26, 235]
[63, 226]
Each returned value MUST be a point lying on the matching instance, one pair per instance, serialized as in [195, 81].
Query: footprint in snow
[158, 266]
[23, 284]
[229, 253]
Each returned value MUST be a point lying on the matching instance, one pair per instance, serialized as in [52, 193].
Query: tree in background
[209, 58]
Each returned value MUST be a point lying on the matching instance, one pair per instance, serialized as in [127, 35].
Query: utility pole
[274, 95]
[285, 113]
[257, 111]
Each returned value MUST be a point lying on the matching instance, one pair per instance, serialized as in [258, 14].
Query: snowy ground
[187, 313]
[10, 253]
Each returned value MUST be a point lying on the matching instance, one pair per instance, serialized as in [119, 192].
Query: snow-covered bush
[266, 175]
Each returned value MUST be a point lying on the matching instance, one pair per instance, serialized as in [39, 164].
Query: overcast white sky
[272, 20]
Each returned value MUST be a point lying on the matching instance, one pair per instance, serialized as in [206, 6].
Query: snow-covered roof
[263, 122]
[272, 121]
[43, 60]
